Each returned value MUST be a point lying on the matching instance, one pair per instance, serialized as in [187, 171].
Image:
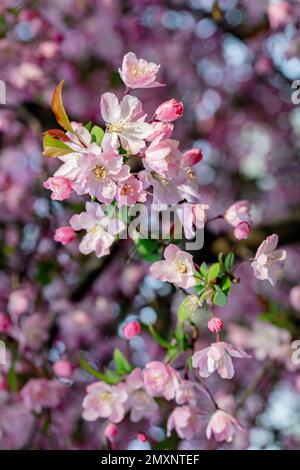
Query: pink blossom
[217, 357]
[241, 231]
[124, 123]
[142, 437]
[162, 129]
[178, 268]
[64, 235]
[169, 111]
[215, 324]
[165, 190]
[63, 368]
[192, 217]
[131, 329]
[105, 401]
[140, 403]
[130, 191]
[186, 421]
[162, 157]
[60, 186]
[138, 73]
[160, 380]
[186, 392]
[98, 175]
[41, 393]
[267, 261]
[238, 212]
[4, 322]
[295, 298]
[223, 426]
[101, 229]
[111, 432]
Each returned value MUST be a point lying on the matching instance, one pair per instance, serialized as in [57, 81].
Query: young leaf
[54, 148]
[219, 298]
[188, 306]
[229, 260]
[121, 363]
[90, 370]
[213, 272]
[203, 269]
[97, 134]
[59, 110]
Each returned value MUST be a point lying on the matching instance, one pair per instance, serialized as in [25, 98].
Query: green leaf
[171, 354]
[97, 134]
[148, 249]
[219, 298]
[122, 365]
[203, 269]
[90, 370]
[89, 126]
[226, 285]
[221, 262]
[112, 376]
[187, 307]
[164, 343]
[229, 260]
[213, 272]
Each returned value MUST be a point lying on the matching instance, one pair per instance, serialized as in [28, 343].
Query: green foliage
[148, 249]
[121, 363]
[188, 306]
[97, 134]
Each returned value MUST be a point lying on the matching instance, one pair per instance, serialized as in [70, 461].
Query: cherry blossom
[217, 357]
[140, 402]
[105, 401]
[125, 122]
[138, 73]
[101, 230]
[222, 426]
[186, 421]
[169, 111]
[61, 187]
[267, 261]
[160, 380]
[177, 267]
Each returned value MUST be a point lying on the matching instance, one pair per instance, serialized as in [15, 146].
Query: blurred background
[232, 63]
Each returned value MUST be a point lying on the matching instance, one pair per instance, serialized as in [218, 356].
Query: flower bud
[4, 322]
[241, 231]
[64, 235]
[63, 369]
[142, 437]
[111, 432]
[215, 324]
[192, 157]
[169, 111]
[131, 329]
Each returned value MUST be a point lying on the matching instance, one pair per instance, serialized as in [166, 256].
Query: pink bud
[169, 111]
[64, 235]
[131, 329]
[63, 369]
[241, 231]
[215, 324]
[111, 432]
[142, 437]
[4, 322]
[192, 157]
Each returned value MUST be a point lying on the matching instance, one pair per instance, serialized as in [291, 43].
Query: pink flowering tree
[124, 327]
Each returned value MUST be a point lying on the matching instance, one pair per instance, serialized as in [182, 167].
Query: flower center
[162, 179]
[137, 71]
[106, 396]
[100, 172]
[127, 190]
[190, 173]
[116, 127]
[181, 267]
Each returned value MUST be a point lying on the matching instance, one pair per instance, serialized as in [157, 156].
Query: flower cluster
[100, 164]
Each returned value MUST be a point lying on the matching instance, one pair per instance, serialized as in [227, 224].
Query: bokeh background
[232, 64]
